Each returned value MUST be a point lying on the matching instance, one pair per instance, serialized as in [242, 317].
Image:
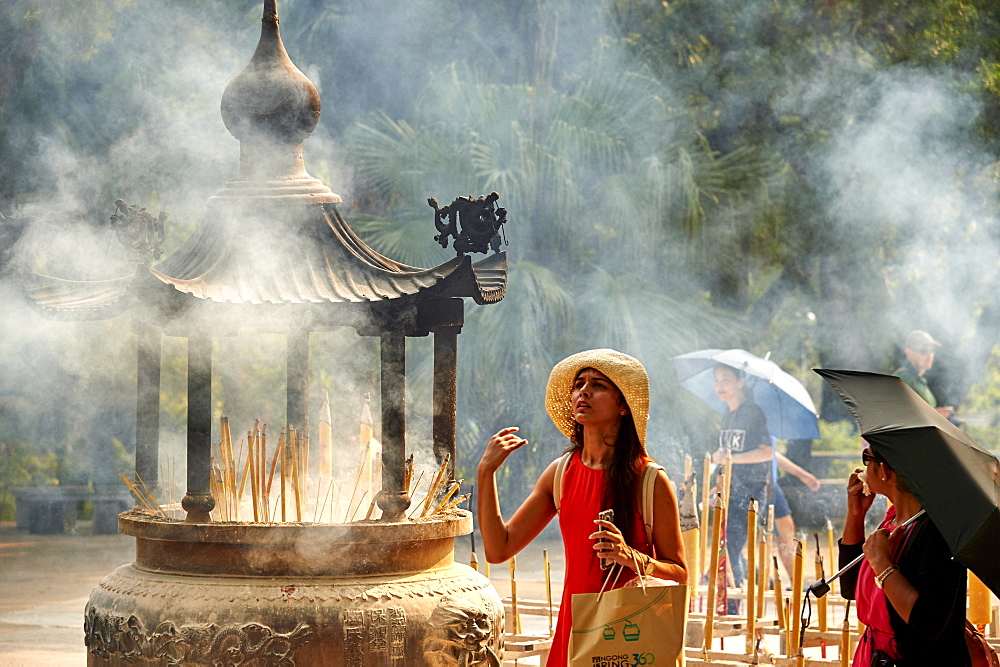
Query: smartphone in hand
[606, 515]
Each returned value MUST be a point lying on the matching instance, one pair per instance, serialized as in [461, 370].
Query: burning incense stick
[274, 463]
[215, 488]
[261, 470]
[829, 550]
[762, 576]
[302, 463]
[293, 456]
[246, 472]
[283, 447]
[252, 459]
[228, 468]
[751, 583]
[357, 483]
[821, 604]
[358, 506]
[452, 488]
[413, 489]
[513, 595]
[408, 472]
[454, 503]
[152, 498]
[705, 513]
[371, 508]
[779, 606]
[136, 492]
[548, 585]
[413, 492]
[845, 637]
[329, 490]
[319, 490]
[789, 642]
[796, 595]
[713, 572]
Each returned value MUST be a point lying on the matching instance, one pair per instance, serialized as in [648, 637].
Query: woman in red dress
[600, 400]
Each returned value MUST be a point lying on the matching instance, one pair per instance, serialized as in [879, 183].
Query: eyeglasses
[867, 457]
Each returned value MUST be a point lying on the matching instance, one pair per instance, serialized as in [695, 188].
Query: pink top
[582, 500]
[873, 606]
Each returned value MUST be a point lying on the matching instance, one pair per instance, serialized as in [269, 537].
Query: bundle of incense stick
[255, 467]
[222, 480]
[254, 472]
[141, 492]
[229, 485]
[435, 487]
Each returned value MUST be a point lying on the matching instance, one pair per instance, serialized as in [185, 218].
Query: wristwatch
[881, 577]
[648, 568]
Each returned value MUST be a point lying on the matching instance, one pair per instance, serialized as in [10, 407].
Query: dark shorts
[781, 508]
[741, 497]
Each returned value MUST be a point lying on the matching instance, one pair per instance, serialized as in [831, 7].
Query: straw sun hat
[625, 371]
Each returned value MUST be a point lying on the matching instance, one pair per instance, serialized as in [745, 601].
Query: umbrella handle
[822, 587]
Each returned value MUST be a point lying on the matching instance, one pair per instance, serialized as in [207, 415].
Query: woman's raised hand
[858, 502]
[499, 448]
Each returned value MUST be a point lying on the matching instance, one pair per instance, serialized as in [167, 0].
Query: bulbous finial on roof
[270, 99]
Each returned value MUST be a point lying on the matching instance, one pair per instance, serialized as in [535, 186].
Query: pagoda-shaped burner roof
[326, 263]
[273, 235]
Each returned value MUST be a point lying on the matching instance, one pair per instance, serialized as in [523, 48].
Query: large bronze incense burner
[367, 593]
[382, 590]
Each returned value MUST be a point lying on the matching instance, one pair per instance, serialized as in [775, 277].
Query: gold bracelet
[881, 577]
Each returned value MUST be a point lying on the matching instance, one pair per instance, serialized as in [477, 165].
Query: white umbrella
[787, 405]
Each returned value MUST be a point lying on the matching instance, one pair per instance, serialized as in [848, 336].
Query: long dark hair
[622, 474]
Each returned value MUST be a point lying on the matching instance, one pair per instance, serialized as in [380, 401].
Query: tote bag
[630, 626]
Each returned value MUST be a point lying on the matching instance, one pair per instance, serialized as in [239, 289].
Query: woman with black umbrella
[910, 593]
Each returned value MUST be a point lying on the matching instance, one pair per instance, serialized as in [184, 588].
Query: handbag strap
[617, 569]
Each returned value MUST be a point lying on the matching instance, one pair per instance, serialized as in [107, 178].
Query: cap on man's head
[920, 341]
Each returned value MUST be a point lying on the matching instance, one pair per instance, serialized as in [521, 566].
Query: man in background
[919, 349]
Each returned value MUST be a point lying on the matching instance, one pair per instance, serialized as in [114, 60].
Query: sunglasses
[867, 457]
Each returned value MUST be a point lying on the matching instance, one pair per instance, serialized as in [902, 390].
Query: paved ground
[45, 581]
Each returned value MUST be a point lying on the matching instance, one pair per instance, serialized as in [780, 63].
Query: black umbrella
[954, 478]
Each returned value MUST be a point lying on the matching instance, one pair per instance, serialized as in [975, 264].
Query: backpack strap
[648, 483]
[558, 480]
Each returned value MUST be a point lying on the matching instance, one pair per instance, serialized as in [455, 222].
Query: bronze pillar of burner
[147, 427]
[448, 316]
[297, 401]
[394, 499]
[198, 500]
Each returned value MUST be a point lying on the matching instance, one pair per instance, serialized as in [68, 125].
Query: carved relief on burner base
[450, 615]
